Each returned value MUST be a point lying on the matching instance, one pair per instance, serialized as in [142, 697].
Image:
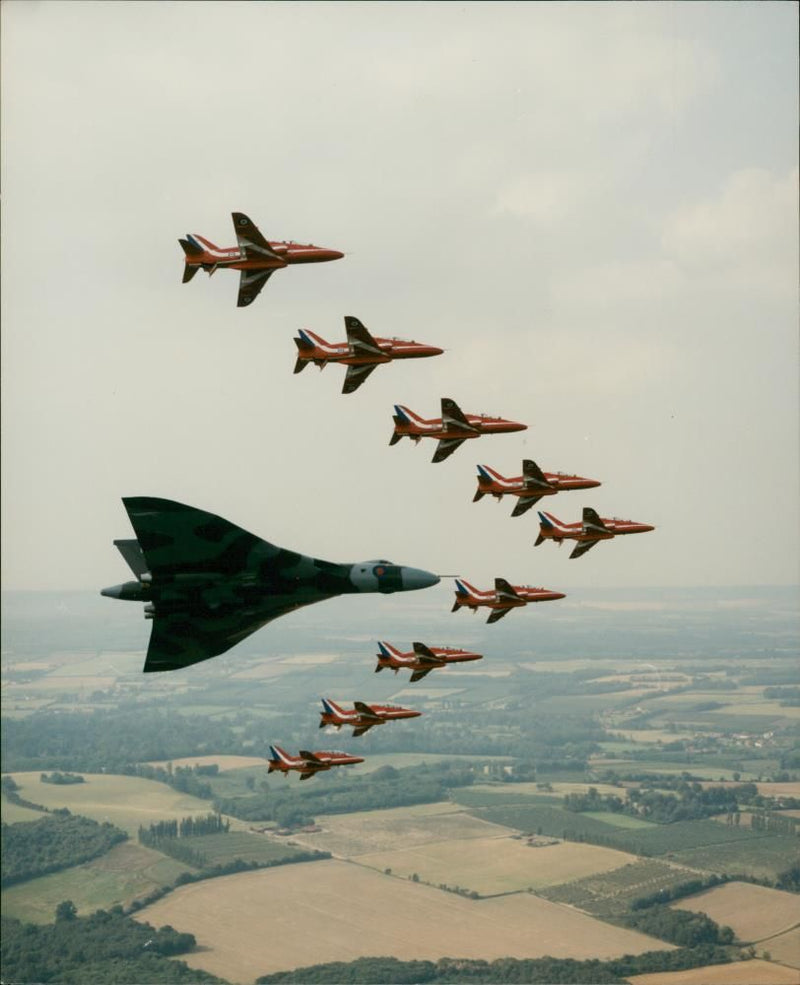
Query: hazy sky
[592, 208]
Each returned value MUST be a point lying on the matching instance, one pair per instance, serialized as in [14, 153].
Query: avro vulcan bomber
[207, 584]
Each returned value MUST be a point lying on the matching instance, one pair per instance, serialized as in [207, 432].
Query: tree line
[524, 971]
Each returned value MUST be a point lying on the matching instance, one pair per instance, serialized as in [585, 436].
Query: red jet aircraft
[308, 763]
[503, 599]
[363, 717]
[452, 428]
[590, 531]
[361, 353]
[529, 487]
[256, 257]
[421, 660]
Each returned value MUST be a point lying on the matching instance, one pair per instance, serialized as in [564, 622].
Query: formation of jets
[528, 487]
[207, 584]
[421, 659]
[502, 600]
[452, 429]
[361, 353]
[588, 532]
[256, 257]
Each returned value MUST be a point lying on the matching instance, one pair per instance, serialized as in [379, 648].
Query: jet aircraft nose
[645, 527]
[414, 578]
[330, 255]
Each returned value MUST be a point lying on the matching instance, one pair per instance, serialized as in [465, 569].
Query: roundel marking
[243, 222]
[379, 571]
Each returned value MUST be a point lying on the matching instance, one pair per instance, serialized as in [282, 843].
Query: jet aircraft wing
[497, 614]
[355, 376]
[446, 447]
[366, 712]
[426, 655]
[524, 503]
[362, 729]
[252, 244]
[250, 284]
[308, 775]
[453, 416]
[505, 592]
[592, 521]
[182, 638]
[359, 338]
[310, 757]
[583, 547]
[533, 476]
[419, 674]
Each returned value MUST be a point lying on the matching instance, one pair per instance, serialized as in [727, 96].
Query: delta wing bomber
[208, 584]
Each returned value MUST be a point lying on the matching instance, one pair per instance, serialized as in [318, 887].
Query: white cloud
[746, 234]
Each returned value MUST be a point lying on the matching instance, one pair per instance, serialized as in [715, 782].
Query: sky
[591, 207]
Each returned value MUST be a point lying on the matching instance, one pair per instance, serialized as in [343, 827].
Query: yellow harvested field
[498, 865]
[558, 789]
[754, 972]
[784, 948]
[126, 801]
[267, 668]
[224, 762]
[308, 659]
[255, 923]
[349, 835]
[752, 912]
[649, 736]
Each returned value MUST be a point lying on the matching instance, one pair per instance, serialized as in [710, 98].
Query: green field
[221, 848]
[610, 894]
[762, 857]
[126, 872]
[11, 813]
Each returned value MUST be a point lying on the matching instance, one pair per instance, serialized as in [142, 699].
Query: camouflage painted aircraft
[256, 257]
[529, 487]
[308, 763]
[207, 584]
[452, 429]
[361, 353]
[590, 531]
[503, 599]
[363, 717]
[422, 659]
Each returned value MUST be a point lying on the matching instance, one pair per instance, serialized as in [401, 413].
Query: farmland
[126, 872]
[490, 866]
[742, 973]
[349, 835]
[752, 912]
[126, 801]
[611, 893]
[229, 917]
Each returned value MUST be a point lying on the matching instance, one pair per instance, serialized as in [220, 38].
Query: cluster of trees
[105, 947]
[452, 971]
[690, 802]
[774, 824]
[182, 778]
[168, 837]
[681, 927]
[61, 778]
[683, 889]
[54, 842]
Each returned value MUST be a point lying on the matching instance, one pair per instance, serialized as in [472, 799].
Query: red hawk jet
[529, 487]
[590, 531]
[452, 429]
[503, 599]
[363, 717]
[361, 353]
[256, 257]
[421, 660]
[308, 763]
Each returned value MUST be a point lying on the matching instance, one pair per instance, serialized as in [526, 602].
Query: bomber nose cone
[417, 578]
